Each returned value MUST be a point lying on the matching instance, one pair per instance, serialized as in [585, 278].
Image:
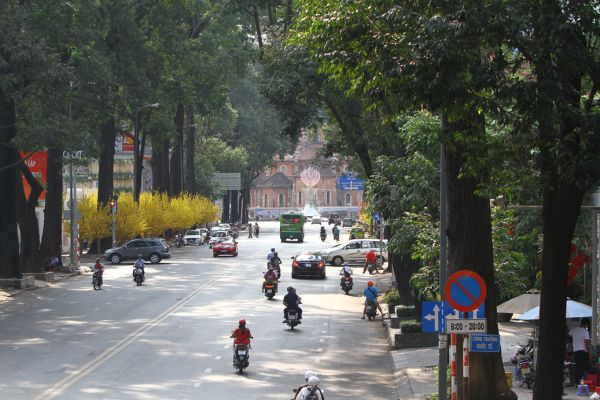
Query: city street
[169, 339]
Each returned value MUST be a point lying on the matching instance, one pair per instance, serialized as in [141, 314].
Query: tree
[95, 221]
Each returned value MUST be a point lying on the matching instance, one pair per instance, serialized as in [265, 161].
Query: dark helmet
[273, 250]
[275, 254]
[291, 289]
[97, 260]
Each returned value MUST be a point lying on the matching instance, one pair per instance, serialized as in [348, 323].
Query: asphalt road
[169, 339]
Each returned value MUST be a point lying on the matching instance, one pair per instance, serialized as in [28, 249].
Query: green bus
[291, 226]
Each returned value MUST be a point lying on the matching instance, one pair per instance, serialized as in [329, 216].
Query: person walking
[581, 348]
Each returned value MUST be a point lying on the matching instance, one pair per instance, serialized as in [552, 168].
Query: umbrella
[574, 310]
[522, 303]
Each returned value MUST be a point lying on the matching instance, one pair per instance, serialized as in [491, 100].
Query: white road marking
[208, 370]
[197, 384]
[217, 357]
[321, 340]
[323, 331]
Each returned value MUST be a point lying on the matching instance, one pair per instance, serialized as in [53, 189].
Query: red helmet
[370, 283]
[242, 322]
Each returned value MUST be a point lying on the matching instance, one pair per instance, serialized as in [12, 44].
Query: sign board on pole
[350, 182]
[484, 343]
[461, 326]
[375, 216]
[435, 313]
[229, 180]
[465, 290]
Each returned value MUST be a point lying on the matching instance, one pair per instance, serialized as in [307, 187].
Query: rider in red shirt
[241, 334]
[370, 259]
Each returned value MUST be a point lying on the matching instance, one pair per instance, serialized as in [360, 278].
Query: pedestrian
[581, 348]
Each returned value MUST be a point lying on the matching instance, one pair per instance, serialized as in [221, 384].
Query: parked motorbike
[240, 357]
[347, 283]
[523, 361]
[371, 309]
[292, 320]
[97, 280]
[138, 276]
[270, 288]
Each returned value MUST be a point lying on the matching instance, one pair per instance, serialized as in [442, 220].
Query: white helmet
[313, 381]
[308, 374]
[346, 264]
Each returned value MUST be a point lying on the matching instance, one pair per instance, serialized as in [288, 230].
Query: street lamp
[136, 150]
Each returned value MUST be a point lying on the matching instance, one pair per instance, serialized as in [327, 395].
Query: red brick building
[281, 188]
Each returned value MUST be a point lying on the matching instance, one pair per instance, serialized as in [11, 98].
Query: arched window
[299, 198]
[348, 199]
[266, 200]
[328, 198]
[281, 200]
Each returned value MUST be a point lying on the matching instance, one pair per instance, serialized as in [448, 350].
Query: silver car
[151, 249]
[354, 251]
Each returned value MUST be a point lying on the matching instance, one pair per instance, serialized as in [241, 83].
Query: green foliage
[391, 297]
[406, 311]
[411, 327]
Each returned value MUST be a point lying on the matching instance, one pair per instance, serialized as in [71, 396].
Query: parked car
[334, 219]
[316, 219]
[151, 249]
[217, 236]
[308, 263]
[226, 247]
[225, 226]
[354, 251]
[194, 237]
[347, 222]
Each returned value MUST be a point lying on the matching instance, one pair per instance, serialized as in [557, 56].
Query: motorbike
[371, 309]
[323, 236]
[372, 268]
[292, 320]
[178, 242]
[347, 283]
[270, 288]
[336, 237]
[241, 357]
[97, 280]
[138, 276]
[523, 361]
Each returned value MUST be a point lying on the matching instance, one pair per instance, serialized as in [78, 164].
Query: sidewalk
[414, 368]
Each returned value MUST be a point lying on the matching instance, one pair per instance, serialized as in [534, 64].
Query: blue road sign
[350, 182]
[434, 315]
[375, 216]
[482, 343]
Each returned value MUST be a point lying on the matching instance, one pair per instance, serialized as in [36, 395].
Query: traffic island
[24, 283]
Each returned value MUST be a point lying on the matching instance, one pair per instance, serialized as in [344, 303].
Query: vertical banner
[38, 165]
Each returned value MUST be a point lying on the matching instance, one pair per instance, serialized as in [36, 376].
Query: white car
[218, 236]
[353, 251]
[316, 219]
[194, 236]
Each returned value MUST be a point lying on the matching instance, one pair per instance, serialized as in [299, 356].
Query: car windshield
[192, 233]
[307, 256]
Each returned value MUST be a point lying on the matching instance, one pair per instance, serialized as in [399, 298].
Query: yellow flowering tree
[95, 221]
[154, 207]
[130, 221]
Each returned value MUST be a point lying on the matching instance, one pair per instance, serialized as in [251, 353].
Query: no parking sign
[465, 290]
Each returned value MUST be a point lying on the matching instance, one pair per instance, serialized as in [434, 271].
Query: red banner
[38, 165]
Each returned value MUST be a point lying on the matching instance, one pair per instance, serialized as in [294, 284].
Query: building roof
[278, 180]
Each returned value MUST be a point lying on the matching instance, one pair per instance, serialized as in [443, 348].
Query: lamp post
[137, 157]
[595, 238]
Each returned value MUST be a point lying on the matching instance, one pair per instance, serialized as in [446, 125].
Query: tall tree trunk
[245, 204]
[160, 166]
[175, 169]
[257, 28]
[53, 212]
[9, 242]
[106, 163]
[226, 202]
[470, 247]
[233, 200]
[28, 222]
[190, 147]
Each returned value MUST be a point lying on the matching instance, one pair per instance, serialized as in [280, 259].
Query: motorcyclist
[98, 269]
[307, 375]
[370, 258]
[250, 231]
[346, 271]
[256, 229]
[275, 263]
[323, 232]
[336, 232]
[271, 275]
[241, 334]
[291, 301]
[371, 294]
[271, 254]
[311, 390]
[139, 263]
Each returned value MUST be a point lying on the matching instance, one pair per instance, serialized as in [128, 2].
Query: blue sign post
[350, 182]
[435, 313]
[482, 343]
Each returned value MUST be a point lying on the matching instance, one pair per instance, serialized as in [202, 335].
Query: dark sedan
[308, 264]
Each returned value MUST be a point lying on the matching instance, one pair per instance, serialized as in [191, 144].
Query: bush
[406, 311]
[411, 327]
[391, 296]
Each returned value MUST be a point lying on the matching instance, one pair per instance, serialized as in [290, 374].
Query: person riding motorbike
[270, 275]
[336, 232]
[241, 334]
[370, 258]
[323, 233]
[139, 263]
[98, 270]
[256, 229]
[345, 272]
[311, 390]
[371, 294]
[275, 263]
[178, 240]
[291, 301]
[271, 254]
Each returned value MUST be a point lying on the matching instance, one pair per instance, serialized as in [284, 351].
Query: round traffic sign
[465, 290]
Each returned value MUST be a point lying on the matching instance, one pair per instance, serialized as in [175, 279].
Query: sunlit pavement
[169, 339]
